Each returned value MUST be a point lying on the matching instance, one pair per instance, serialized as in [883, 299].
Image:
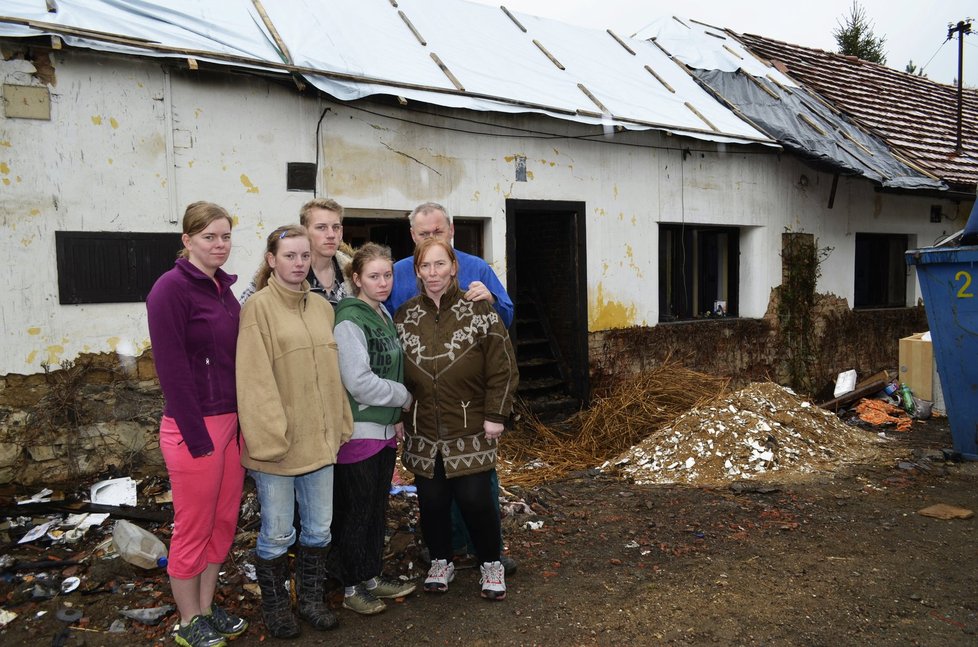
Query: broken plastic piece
[148, 616]
[120, 491]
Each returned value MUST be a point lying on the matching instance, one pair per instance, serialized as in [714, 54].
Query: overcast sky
[914, 29]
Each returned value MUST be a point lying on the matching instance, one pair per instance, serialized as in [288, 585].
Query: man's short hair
[319, 203]
[427, 207]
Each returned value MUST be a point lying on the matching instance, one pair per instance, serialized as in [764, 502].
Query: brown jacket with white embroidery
[461, 370]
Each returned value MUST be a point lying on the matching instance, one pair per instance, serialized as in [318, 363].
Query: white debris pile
[762, 432]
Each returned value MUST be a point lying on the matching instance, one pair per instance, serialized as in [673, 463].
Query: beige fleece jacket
[292, 406]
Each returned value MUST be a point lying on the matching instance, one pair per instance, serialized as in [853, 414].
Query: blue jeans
[278, 495]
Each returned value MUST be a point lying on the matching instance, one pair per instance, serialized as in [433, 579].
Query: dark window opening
[881, 271]
[111, 267]
[699, 270]
[396, 234]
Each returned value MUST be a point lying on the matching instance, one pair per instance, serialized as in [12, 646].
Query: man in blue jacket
[431, 220]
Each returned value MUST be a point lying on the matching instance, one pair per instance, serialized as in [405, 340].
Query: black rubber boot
[310, 584]
[276, 603]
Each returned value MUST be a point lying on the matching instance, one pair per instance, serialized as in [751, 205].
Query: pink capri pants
[206, 495]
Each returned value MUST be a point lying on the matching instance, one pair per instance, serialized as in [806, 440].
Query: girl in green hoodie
[372, 369]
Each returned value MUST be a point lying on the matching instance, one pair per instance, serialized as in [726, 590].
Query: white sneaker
[440, 574]
[493, 581]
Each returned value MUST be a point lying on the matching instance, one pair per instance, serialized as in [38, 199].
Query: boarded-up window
[111, 267]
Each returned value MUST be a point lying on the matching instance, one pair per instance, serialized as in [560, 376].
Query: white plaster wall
[102, 164]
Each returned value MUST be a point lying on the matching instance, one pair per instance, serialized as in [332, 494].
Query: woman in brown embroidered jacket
[461, 370]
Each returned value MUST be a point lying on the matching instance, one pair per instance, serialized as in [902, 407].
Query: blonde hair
[198, 217]
[319, 203]
[271, 247]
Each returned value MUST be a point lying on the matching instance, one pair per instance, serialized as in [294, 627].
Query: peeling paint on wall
[113, 122]
[34, 330]
[31, 356]
[54, 354]
[630, 255]
[97, 120]
[5, 143]
[247, 182]
[606, 314]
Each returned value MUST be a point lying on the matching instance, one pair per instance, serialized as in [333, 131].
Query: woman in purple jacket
[193, 328]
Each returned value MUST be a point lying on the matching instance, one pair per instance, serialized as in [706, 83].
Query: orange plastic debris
[877, 412]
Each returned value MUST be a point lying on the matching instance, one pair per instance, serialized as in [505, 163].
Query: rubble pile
[762, 432]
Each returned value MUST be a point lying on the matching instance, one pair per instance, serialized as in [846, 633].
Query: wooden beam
[553, 59]
[513, 18]
[282, 48]
[448, 72]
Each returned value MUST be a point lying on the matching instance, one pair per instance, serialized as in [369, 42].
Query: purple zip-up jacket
[193, 327]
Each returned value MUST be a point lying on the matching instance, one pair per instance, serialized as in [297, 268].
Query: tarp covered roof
[916, 115]
[443, 52]
[795, 116]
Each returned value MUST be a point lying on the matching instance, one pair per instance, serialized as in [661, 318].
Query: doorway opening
[547, 280]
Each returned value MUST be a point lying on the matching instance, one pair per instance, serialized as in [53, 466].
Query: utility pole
[963, 27]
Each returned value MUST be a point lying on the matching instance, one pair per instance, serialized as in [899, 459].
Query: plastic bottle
[138, 546]
[907, 396]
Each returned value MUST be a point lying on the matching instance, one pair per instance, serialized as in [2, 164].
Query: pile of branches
[615, 421]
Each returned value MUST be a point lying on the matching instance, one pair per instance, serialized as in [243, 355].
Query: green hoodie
[386, 360]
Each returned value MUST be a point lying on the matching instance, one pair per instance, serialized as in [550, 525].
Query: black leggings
[360, 493]
[474, 497]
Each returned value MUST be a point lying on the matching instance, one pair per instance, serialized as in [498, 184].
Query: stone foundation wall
[97, 416]
[91, 416]
[751, 349]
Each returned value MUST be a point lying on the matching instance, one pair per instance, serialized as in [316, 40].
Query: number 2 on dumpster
[963, 290]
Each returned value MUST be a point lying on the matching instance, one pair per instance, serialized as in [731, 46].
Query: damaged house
[635, 204]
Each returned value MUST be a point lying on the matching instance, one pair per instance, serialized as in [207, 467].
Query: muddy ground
[841, 559]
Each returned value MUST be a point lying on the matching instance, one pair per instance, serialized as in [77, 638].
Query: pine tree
[912, 68]
[855, 36]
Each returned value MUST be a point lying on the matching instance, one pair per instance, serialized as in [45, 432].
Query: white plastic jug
[138, 546]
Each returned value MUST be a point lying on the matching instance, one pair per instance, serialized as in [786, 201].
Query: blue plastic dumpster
[949, 281]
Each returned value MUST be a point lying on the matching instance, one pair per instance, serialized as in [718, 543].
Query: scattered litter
[761, 431]
[248, 570]
[120, 491]
[85, 520]
[6, 617]
[69, 614]
[878, 413]
[632, 544]
[945, 511]
[37, 532]
[44, 496]
[407, 490]
[533, 525]
[70, 584]
[845, 383]
[150, 616]
[117, 627]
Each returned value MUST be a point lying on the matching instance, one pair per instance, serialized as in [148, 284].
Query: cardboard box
[917, 369]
